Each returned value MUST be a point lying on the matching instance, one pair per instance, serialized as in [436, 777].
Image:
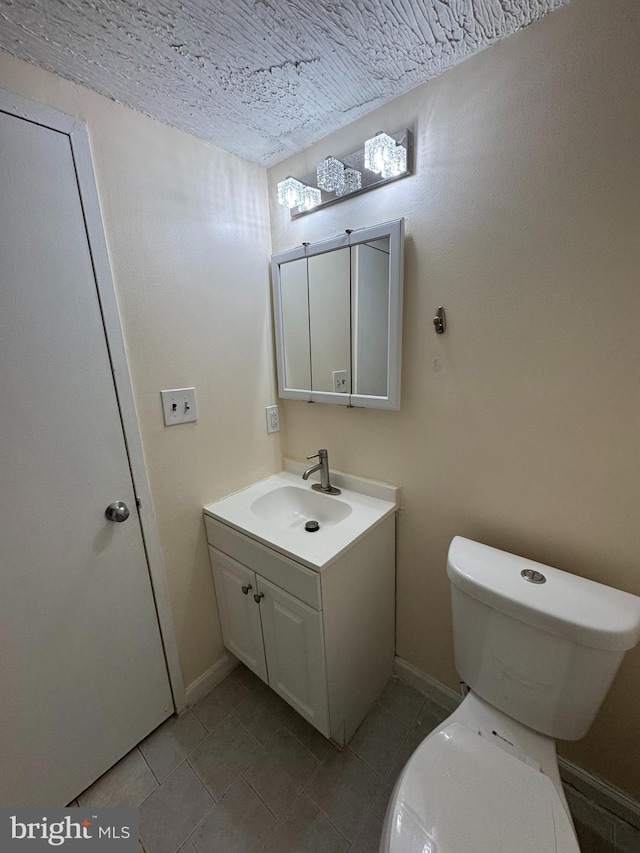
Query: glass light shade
[398, 163]
[379, 153]
[331, 175]
[311, 198]
[352, 181]
[291, 192]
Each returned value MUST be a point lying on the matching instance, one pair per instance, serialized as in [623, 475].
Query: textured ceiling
[260, 78]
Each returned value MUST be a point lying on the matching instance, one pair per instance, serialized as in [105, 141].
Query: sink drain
[312, 526]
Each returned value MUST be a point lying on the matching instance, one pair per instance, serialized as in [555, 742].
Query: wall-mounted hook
[440, 320]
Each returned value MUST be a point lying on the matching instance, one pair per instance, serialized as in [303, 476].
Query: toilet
[538, 649]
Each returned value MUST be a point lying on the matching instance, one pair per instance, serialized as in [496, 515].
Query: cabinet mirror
[338, 318]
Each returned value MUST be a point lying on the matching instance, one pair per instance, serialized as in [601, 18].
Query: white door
[294, 647]
[82, 671]
[239, 613]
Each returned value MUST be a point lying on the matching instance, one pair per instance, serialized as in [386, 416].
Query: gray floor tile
[306, 830]
[220, 702]
[308, 736]
[128, 783]
[424, 724]
[188, 847]
[170, 814]
[224, 755]
[378, 740]
[594, 826]
[170, 744]
[263, 713]
[379, 807]
[239, 823]
[368, 839]
[435, 709]
[280, 771]
[344, 787]
[402, 701]
[626, 837]
[246, 678]
[591, 842]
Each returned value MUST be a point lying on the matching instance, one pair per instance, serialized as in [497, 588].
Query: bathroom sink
[293, 506]
[276, 510]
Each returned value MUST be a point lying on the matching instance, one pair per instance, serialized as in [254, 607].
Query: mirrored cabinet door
[330, 321]
[295, 323]
[370, 311]
[338, 318]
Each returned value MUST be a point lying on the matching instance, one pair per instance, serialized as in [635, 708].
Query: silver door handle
[117, 511]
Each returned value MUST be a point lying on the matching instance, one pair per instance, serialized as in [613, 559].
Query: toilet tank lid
[566, 605]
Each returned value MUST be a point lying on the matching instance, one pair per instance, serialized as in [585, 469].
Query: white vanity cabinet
[322, 638]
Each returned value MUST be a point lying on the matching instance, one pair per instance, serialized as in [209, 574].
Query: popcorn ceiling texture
[259, 78]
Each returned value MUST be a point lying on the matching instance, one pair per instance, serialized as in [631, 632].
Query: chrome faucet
[323, 466]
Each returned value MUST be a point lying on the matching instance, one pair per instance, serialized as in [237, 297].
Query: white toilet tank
[544, 653]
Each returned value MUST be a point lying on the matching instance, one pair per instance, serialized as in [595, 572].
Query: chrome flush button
[532, 576]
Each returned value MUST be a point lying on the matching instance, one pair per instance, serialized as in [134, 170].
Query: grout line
[198, 825]
[282, 820]
[257, 793]
[201, 780]
[153, 773]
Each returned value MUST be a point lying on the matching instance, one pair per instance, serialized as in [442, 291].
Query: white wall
[187, 230]
[519, 427]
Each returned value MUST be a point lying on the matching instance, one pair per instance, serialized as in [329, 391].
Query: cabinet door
[294, 646]
[239, 613]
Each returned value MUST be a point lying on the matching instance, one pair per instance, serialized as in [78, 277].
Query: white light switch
[340, 381]
[179, 406]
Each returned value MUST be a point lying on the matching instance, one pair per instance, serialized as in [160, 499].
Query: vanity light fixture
[311, 197]
[383, 155]
[293, 193]
[352, 182]
[383, 158]
[331, 175]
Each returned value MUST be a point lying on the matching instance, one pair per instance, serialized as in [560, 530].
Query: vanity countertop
[274, 512]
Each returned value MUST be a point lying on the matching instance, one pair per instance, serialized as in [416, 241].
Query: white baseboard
[427, 685]
[596, 790]
[199, 688]
[600, 792]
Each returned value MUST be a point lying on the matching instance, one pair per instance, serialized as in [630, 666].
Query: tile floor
[241, 772]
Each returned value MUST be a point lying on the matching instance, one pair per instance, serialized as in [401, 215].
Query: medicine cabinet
[338, 318]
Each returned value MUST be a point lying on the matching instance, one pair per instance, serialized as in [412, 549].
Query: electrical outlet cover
[273, 419]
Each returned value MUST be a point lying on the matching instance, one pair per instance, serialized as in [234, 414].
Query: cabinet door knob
[258, 596]
[246, 589]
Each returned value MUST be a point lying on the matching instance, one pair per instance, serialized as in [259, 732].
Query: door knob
[258, 596]
[246, 588]
[117, 511]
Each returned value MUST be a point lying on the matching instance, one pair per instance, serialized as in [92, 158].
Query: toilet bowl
[471, 787]
[538, 648]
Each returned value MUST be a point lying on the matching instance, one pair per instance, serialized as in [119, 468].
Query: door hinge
[138, 502]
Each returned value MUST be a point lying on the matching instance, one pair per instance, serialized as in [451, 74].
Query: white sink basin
[275, 511]
[292, 506]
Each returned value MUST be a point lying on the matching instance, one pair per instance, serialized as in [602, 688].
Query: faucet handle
[321, 454]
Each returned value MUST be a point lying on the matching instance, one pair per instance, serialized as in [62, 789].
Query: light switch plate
[179, 406]
[340, 381]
